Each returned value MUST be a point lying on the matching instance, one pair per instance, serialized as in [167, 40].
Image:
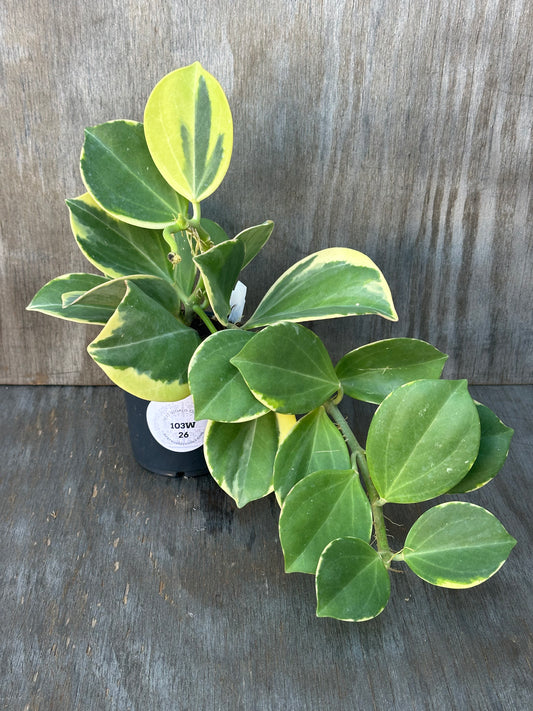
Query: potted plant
[267, 389]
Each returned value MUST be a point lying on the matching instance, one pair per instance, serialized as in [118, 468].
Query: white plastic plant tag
[172, 424]
[236, 301]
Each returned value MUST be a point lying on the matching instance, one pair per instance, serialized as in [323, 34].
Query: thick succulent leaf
[220, 267]
[118, 171]
[457, 545]
[50, 298]
[109, 294]
[352, 583]
[145, 350]
[254, 239]
[314, 443]
[240, 456]
[288, 368]
[372, 372]
[325, 505]
[189, 131]
[218, 389]
[114, 247]
[493, 450]
[422, 440]
[328, 284]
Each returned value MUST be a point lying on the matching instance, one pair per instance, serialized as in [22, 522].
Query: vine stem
[194, 221]
[205, 318]
[360, 465]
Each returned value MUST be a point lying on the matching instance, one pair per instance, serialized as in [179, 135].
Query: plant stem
[168, 236]
[380, 529]
[359, 459]
[196, 212]
[204, 236]
[205, 318]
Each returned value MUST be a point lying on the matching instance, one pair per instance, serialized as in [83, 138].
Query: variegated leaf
[189, 131]
[144, 349]
[328, 284]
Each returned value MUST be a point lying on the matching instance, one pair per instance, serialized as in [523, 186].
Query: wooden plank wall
[402, 129]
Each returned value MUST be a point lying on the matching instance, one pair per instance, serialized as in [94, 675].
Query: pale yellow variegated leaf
[189, 131]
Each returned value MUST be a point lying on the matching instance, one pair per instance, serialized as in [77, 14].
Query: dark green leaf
[372, 372]
[114, 247]
[493, 449]
[321, 507]
[214, 230]
[457, 545]
[352, 583]
[145, 350]
[220, 267]
[240, 456]
[314, 443]
[422, 440]
[185, 270]
[288, 368]
[119, 172]
[217, 387]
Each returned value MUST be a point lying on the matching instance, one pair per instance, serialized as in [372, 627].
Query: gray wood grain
[401, 129]
[124, 590]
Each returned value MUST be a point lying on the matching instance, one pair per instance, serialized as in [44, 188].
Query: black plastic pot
[165, 438]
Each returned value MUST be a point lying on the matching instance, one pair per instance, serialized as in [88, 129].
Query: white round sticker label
[172, 424]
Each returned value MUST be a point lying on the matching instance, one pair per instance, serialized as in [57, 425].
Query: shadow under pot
[165, 437]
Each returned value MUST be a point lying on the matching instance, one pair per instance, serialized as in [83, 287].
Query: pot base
[151, 455]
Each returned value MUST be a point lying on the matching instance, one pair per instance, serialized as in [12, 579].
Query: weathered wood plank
[401, 129]
[124, 590]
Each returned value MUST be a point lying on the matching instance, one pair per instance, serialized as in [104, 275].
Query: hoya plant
[164, 300]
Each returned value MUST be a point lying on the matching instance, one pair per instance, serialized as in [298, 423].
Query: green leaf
[218, 389]
[422, 440]
[220, 267]
[116, 248]
[189, 131]
[214, 230]
[457, 545]
[328, 284]
[185, 271]
[109, 294]
[118, 171]
[493, 449]
[240, 456]
[49, 299]
[352, 583]
[372, 372]
[288, 368]
[325, 505]
[254, 239]
[314, 443]
[145, 350]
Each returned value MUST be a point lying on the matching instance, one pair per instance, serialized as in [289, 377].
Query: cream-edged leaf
[118, 171]
[457, 545]
[331, 283]
[51, 299]
[144, 349]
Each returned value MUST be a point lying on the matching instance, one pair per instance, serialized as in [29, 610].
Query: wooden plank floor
[124, 590]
